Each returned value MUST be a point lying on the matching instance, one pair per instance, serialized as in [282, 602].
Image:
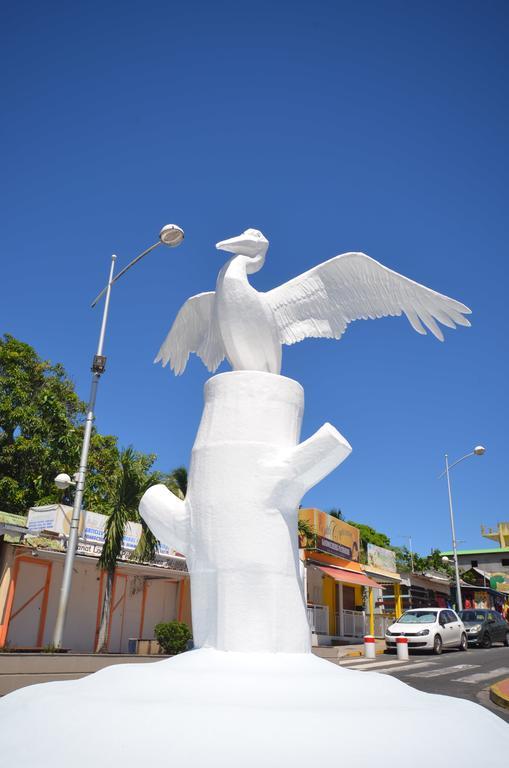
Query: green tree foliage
[173, 636]
[431, 562]
[404, 559]
[434, 562]
[41, 430]
[337, 513]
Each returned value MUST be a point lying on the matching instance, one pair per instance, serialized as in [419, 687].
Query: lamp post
[170, 235]
[478, 451]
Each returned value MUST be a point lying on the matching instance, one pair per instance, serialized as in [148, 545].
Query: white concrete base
[214, 709]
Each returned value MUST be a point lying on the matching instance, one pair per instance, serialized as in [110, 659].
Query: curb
[361, 653]
[499, 693]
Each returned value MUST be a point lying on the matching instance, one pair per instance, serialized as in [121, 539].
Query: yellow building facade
[334, 579]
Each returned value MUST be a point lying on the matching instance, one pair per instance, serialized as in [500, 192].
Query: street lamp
[170, 235]
[63, 481]
[478, 451]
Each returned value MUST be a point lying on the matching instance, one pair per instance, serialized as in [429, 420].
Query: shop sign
[95, 525]
[54, 518]
[499, 581]
[382, 558]
[95, 531]
[332, 536]
[42, 519]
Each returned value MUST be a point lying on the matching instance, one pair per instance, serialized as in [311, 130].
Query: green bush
[173, 636]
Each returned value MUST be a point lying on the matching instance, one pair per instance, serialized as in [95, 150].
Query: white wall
[80, 629]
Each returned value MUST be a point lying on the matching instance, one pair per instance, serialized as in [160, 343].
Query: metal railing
[353, 624]
[382, 622]
[318, 618]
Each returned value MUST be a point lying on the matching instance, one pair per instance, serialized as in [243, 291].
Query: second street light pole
[172, 236]
[459, 600]
[478, 451]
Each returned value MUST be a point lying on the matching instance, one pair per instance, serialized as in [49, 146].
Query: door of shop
[31, 581]
[348, 598]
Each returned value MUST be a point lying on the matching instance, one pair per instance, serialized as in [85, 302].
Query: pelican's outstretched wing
[353, 286]
[194, 330]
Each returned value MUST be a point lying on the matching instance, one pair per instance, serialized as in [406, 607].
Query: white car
[430, 629]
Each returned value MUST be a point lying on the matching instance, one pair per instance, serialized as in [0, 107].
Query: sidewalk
[499, 693]
[335, 653]
[20, 669]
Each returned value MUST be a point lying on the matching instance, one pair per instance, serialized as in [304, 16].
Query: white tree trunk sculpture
[238, 523]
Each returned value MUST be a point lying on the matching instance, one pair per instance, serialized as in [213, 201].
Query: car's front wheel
[464, 642]
[486, 641]
[506, 641]
[437, 645]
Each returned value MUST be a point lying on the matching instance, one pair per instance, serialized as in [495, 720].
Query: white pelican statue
[249, 328]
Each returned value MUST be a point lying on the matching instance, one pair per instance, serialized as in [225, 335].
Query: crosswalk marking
[412, 665]
[349, 661]
[408, 669]
[364, 660]
[445, 670]
[477, 677]
[375, 664]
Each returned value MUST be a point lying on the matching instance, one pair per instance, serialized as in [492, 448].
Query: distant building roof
[12, 527]
[489, 551]
[8, 517]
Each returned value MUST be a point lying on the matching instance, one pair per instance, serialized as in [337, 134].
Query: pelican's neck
[250, 264]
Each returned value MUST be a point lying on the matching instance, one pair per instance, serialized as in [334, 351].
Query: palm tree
[129, 485]
[176, 481]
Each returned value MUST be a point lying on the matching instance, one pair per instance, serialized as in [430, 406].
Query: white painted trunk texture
[238, 523]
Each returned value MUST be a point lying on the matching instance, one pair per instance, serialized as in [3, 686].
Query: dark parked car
[485, 627]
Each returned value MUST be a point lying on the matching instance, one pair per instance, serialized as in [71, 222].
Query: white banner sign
[95, 525]
[379, 557]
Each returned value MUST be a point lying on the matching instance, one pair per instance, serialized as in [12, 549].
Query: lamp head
[479, 450]
[63, 481]
[171, 235]
[445, 559]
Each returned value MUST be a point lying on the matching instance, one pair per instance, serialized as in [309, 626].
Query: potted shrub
[173, 636]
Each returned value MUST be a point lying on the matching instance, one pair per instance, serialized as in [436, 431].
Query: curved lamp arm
[478, 451]
[123, 271]
[466, 456]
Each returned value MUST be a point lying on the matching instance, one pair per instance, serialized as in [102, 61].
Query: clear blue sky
[330, 126]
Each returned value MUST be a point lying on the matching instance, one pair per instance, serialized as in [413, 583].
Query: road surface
[464, 675]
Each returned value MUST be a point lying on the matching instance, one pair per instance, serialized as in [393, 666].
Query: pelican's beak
[235, 244]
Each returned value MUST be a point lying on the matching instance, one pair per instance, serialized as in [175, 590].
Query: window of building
[474, 563]
[505, 561]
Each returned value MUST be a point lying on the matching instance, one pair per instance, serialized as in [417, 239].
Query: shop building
[419, 590]
[487, 568]
[492, 560]
[334, 580]
[481, 589]
[31, 568]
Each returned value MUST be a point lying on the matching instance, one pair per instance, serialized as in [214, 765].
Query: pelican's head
[250, 243]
